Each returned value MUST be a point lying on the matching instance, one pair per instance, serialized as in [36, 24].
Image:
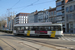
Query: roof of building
[23, 14]
[52, 9]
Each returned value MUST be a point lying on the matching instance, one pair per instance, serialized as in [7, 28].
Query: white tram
[38, 29]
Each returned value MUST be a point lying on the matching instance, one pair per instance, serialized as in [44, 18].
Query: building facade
[52, 15]
[70, 16]
[46, 15]
[21, 18]
[32, 17]
[40, 16]
[60, 13]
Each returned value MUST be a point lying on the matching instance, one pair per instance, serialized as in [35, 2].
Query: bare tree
[2, 23]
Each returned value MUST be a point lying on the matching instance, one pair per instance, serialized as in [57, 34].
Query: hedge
[6, 31]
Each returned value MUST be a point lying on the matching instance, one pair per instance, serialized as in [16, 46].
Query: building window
[24, 17]
[25, 14]
[59, 13]
[70, 16]
[74, 7]
[66, 17]
[67, 9]
[62, 18]
[46, 12]
[54, 18]
[49, 13]
[58, 8]
[70, 0]
[58, 3]
[71, 8]
[54, 12]
[24, 21]
[49, 19]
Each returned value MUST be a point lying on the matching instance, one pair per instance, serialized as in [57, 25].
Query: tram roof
[38, 24]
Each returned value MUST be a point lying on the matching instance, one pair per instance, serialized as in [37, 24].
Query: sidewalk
[69, 34]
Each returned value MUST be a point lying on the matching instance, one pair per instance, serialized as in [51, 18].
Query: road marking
[68, 38]
[73, 40]
[63, 38]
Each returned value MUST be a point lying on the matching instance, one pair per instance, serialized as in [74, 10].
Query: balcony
[70, 0]
[60, 21]
[60, 3]
[71, 19]
[58, 0]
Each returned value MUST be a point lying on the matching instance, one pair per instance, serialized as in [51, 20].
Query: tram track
[42, 43]
[8, 44]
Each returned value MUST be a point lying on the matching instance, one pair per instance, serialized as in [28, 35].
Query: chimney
[50, 8]
[44, 9]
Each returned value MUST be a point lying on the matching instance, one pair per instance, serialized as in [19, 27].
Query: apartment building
[52, 15]
[32, 17]
[46, 15]
[43, 16]
[60, 13]
[70, 16]
[21, 18]
[40, 16]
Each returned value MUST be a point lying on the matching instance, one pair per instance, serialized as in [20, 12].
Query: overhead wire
[29, 5]
[35, 4]
[32, 4]
[16, 3]
[13, 5]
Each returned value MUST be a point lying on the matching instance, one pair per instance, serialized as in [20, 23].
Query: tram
[38, 29]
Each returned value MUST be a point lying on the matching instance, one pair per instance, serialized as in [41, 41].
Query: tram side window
[52, 28]
[36, 28]
[22, 28]
[26, 28]
[47, 28]
[42, 28]
[32, 28]
[58, 28]
[18, 28]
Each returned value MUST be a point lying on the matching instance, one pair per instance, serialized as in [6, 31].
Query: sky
[25, 6]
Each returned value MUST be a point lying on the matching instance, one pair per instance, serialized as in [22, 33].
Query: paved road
[11, 42]
[23, 43]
